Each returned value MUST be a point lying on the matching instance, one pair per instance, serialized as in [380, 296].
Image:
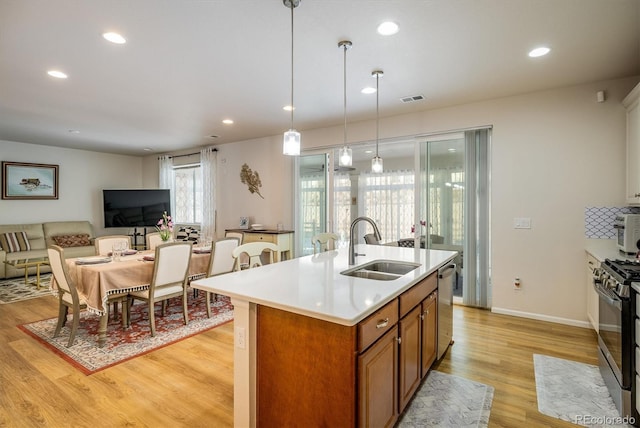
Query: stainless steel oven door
[610, 329]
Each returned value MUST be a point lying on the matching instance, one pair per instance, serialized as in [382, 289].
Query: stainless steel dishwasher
[446, 276]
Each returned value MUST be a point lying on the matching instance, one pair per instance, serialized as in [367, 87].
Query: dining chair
[68, 296]
[152, 240]
[324, 242]
[220, 262]
[170, 279]
[253, 251]
[237, 235]
[104, 246]
[370, 238]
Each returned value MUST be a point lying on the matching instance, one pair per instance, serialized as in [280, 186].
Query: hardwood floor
[191, 383]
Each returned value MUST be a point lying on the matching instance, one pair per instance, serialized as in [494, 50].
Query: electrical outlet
[241, 338]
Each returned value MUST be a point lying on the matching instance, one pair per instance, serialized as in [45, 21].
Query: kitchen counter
[311, 286]
[603, 249]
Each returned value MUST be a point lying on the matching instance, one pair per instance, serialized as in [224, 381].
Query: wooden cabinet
[429, 331]
[632, 104]
[378, 382]
[410, 328]
[418, 345]
[282, 238]
[592, 295]
[317, 373]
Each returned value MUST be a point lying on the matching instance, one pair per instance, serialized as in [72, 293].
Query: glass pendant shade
[291, 144]
[376, 164]
[346, 156]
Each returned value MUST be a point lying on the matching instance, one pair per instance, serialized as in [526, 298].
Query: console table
[282, 238]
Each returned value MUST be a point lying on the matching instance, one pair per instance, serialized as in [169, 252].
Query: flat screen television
[135, 207]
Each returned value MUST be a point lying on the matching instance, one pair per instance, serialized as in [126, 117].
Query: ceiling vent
[412, 99]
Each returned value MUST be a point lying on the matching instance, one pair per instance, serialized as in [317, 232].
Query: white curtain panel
[208, 165]
[165, 166]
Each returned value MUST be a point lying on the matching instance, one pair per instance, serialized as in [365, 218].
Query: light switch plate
[241, 337]
[522, 223]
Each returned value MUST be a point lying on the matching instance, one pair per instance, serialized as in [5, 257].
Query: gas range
[617, 275]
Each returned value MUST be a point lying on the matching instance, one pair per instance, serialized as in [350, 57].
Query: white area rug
[15, 290]
[445, 400]
[574, 392]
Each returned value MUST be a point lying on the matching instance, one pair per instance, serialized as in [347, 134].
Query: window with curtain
[388, 198]
[342, 205]
[312, 197]
[446, 204]
[188, 194]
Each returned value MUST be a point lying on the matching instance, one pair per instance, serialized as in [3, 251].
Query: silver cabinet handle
[399, 340]
[383, 323]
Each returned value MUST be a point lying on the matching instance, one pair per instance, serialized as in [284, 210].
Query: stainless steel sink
[381, 270]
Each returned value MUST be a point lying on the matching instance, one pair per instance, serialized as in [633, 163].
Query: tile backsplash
[598, 221]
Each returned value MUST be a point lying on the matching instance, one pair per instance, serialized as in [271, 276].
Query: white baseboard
[541, 317]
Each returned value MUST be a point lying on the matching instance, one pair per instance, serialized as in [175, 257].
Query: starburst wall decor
[251, 179]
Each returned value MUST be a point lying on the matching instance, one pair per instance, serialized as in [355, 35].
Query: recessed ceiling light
[368, 151]
[227, 121]
[114, 38]
[388, 28]
[74, 131]
[288, 108]
[57, 74]
[147, 149]
[368, 90]
[451, 150]
[541, 51]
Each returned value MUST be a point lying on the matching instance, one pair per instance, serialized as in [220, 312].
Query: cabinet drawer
[637, 361]
[377, 324]
[411, 298]
[260, 237]
[637, 331]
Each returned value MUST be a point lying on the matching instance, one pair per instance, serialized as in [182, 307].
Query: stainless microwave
[628, 230]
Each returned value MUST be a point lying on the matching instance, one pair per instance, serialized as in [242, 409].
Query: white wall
[553, 154]
[82, 176]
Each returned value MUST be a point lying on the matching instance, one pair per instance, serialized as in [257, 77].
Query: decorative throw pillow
[66, 241]
[187, 234]
[14, 241]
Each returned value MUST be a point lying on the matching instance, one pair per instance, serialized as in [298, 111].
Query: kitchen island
[298, 331]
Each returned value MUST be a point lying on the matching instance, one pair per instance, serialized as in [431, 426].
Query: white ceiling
[188, 64]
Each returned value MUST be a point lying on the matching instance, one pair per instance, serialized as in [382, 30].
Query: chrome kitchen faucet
[352, 249]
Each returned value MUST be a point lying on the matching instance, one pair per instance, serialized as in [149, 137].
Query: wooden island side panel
[306, 371]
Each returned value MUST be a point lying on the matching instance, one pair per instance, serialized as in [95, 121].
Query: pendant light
[291, 143]
[376, 162]
[346, 155]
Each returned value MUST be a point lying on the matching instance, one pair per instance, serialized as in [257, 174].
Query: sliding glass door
[454, 207]
[311, 200]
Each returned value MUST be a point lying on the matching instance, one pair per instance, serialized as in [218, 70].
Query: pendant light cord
[345, 93]
[377, 112]
[292, 7]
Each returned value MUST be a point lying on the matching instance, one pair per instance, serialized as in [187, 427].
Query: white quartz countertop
[313, 285]
[603, 249]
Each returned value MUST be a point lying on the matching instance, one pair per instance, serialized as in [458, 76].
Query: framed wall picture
[22, 180]
[244, 223]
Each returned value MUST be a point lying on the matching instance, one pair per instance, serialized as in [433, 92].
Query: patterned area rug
[135, 341]
[574, 392]
[15, 290]
[445, 400]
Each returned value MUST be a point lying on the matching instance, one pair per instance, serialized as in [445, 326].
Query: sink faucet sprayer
[352, 250]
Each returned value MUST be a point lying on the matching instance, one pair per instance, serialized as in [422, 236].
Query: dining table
[100, 278]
